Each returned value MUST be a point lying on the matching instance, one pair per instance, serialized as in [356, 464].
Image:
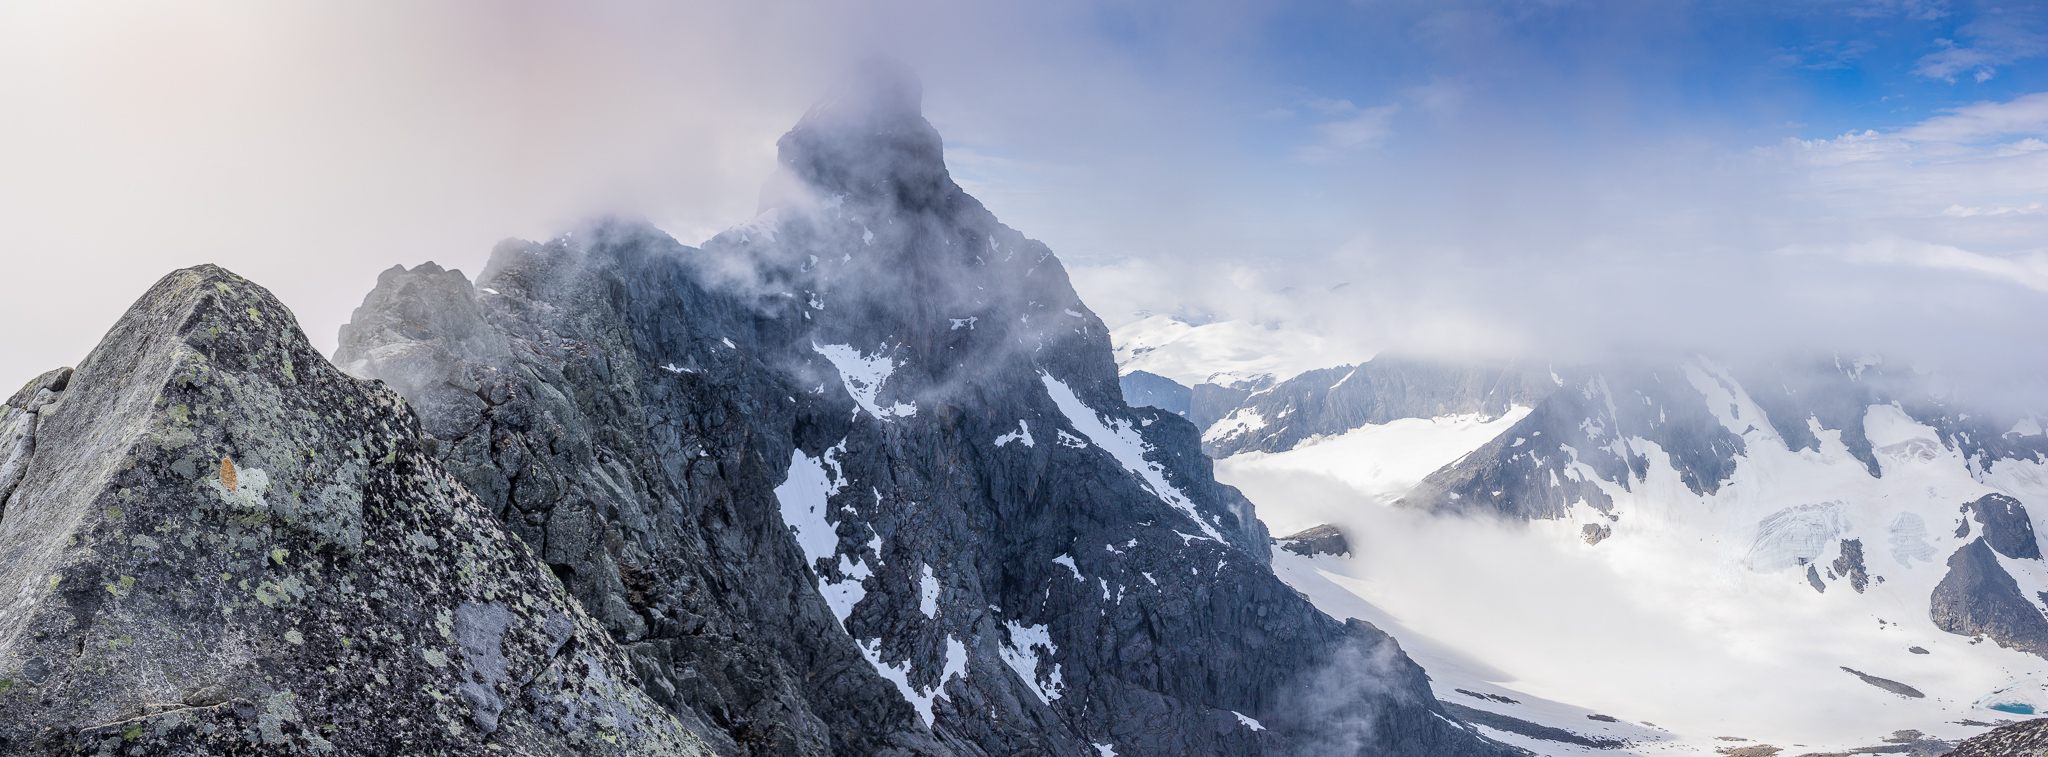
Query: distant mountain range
[1834, 495]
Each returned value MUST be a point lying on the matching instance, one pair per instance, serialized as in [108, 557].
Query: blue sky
[1544, 177]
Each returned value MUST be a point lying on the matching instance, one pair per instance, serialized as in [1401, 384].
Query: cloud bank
[1568, 179]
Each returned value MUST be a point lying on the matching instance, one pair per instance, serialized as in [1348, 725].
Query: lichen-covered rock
[857, 478]
[337, 593]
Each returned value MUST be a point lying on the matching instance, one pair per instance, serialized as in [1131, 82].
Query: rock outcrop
[2023, 739]
[857, 477]
[1978, 597]
[1335, 400]
[1325, 539]
[220, 544]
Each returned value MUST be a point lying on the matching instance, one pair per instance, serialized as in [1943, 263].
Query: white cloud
[2028, 269]
[1992, 43]
[2024, 115]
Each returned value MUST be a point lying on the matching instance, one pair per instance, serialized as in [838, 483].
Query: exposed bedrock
[1978, 597]
[857, 477]
[223, 545]
[1325, 539]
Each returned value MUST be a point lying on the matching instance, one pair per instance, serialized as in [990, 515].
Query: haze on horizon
[1553, 178]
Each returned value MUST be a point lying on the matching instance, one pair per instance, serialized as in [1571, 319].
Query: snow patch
[1029, 650]
[803, 498]
[1022, 434]
[928, 594]
[864, 377]
[1239, 422]
[1127, 446]
[1248, 721]
[1068, 561]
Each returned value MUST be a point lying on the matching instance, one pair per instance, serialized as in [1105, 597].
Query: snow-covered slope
[1764, 585]
[1226, 353]
[1378, 461]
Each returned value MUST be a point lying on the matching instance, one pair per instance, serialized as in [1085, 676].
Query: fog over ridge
[1484, 178]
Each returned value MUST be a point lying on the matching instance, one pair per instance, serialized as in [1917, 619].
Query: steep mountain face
[1699, 419]
[857, 477]
[1143, 389]
[1331, 401]
[217, 543]
[1603, 437]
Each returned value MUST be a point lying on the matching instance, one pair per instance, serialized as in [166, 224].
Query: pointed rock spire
[866, 137]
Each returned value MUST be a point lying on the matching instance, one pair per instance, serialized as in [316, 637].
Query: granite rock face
[1335, 400]
[223, 545]
[1594, 425]
[1979, 597]
[857, 477]
[2004, 523]
[2023, 739]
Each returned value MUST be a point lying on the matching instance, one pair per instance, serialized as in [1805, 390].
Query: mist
[1566, 180]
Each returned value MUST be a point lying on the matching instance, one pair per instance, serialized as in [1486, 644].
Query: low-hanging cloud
[1482, 190]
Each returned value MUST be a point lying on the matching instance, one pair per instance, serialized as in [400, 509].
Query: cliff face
[857, 478]
[217, 543]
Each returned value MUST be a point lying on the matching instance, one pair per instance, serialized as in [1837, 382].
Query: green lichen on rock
[288, 613]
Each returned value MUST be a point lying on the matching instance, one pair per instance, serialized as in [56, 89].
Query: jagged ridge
[225, 546]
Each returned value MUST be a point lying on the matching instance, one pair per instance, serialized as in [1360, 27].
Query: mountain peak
[867, 137]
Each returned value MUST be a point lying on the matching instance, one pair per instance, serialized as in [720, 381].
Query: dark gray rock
[1594, 418]
[1517, 725]
[1209, 403]
[1849, 564]
[2006, 527]
[1978, 597]
[1594, 533]
[1040, 565]
[1591, 420]
[1143, 389]
[226, 546]
[1325, 539]
[18, 421]
[1887, 684]
[2026, 738]
[1334, 400]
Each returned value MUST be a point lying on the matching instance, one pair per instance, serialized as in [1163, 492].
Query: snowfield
[1697, 615]
[1224, 353]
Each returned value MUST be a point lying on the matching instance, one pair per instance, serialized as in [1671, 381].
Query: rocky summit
[217, 543]
[853, 478]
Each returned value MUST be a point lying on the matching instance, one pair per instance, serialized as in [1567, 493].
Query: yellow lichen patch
[227, 472]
